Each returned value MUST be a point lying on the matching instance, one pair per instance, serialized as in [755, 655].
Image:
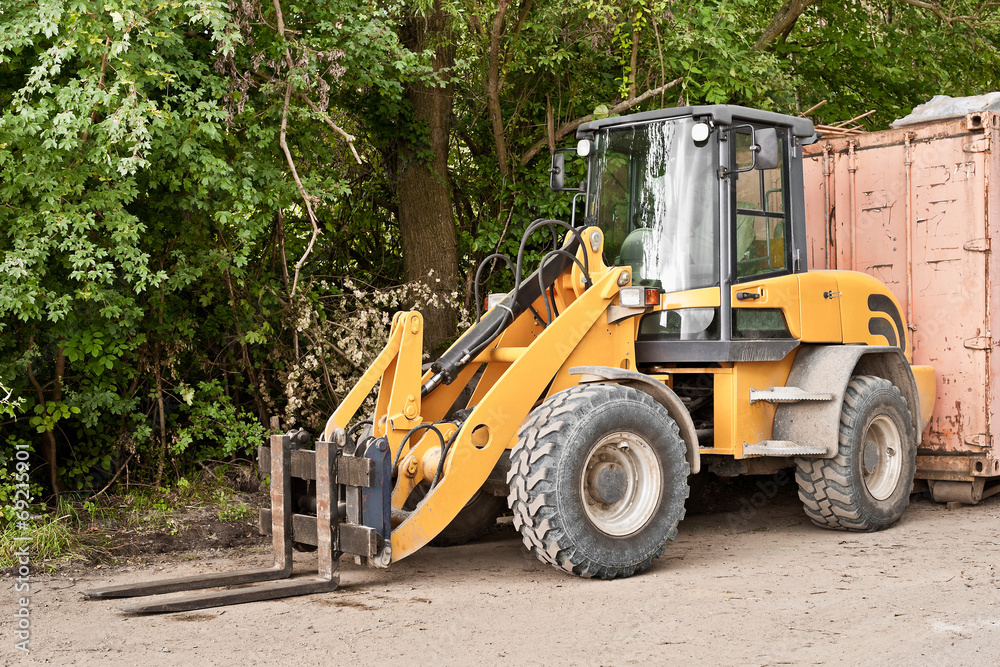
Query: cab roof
[721, 114]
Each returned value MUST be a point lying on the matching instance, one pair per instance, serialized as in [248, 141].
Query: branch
[848, 122]
[659, 49]
[100, 86]
[349, 138]
[475, 149]
[938, 11]
[298, 182]
[550, 124]
[474, 23]
[517, 29]
[934, 9]
[633, 62]
[281, 18]
[782, 23]
[326, 370]
[811, 109]
[108, 485]
[31, 374]
[566, 128]
[288, 154]
[493, 87]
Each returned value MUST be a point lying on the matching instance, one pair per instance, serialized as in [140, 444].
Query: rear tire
[598, 481]
[866, 486]
[474, 520]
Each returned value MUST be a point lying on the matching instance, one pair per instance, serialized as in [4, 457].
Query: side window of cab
[760, 219]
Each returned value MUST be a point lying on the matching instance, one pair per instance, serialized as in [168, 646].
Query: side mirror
[766, 149]
[557, 172]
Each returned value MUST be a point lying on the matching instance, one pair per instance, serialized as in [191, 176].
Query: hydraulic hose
[494, 322]
[479, 271]
[432, 427]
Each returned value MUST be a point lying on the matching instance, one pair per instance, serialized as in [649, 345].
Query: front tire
[598, 481]
[866, 486]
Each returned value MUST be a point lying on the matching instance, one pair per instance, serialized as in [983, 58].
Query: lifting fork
[359, 526]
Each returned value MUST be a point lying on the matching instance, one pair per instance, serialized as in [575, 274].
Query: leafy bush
[215, 424]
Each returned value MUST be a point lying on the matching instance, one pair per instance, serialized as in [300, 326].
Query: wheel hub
[870, 457]
[622, 484]
[881, 464]
[611, 483]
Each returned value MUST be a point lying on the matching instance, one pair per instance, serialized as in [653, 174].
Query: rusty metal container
[915, 207]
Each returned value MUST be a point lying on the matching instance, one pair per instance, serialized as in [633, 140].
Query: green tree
[159, 209]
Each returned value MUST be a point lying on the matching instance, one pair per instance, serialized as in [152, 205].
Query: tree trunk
[426, 218]
[163, 417]
[49, 448]
[493, 88]
[782, 23]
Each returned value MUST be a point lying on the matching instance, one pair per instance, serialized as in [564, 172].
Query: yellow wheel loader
[674, 329]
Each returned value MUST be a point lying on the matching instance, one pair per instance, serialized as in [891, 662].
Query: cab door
[765, 296]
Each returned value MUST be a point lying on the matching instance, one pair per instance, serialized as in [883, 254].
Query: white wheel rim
[621, 463]
[881, 457]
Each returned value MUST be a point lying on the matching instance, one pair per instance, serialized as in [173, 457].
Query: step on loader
[674, 328]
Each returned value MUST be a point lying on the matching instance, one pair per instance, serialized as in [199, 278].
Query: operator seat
[633, 253]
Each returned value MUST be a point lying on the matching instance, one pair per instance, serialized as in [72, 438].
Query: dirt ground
[748, 582]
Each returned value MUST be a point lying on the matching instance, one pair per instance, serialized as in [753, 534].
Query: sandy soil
[741, 585]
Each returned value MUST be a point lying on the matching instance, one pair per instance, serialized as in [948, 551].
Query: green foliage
[9, 406]
[890, 56]
[48, 415]
[142, 180]
[51, 538]
[17, 492]
[214, 423]
[231, 509]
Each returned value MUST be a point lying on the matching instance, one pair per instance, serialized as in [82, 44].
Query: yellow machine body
[530, 362]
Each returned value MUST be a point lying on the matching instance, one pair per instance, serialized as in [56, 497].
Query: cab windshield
[653, 194]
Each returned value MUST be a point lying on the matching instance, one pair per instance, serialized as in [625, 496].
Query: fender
[660, 393]
[828, 369]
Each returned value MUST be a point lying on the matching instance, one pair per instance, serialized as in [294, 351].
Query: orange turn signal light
[639, 297]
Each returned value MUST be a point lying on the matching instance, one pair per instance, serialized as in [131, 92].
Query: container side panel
[843, 215]
[880, 223]
[943, 218]
[816, 224]
[993, 286]
[949, 287]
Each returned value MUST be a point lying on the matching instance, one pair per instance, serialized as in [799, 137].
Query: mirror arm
[755, 150]
[753, 153]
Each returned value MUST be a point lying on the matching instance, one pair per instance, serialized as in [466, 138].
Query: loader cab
[698, 200]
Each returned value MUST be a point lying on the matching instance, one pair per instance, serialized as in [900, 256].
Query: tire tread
[532, 483]
[825, 487]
